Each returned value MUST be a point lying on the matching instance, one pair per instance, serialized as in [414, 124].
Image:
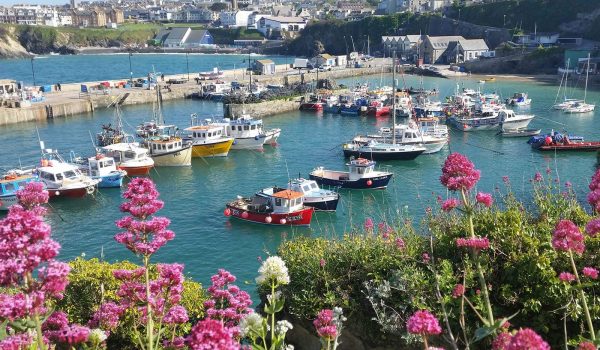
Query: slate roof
[197, 35]
[441, 42]
[474, 45]
[177, 34]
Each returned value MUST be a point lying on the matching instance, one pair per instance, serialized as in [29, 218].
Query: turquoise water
[82, 68]
[195, 197]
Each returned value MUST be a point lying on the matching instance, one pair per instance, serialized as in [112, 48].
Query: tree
[219, 6]
[317, 47]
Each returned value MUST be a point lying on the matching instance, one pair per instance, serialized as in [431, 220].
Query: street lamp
[32, 70]
[130, 70]
[187, 63]
[504, 22]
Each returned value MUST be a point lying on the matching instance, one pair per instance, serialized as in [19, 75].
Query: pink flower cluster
[325, 324]
[527, 339]
[594, 195]
[16, 342]
[228, 303]
[537, 177]
[458, 291]
[385, 230]
[211, 334]
[586, 345]
[567, 237]
[566, 277]
[32, 195]
[458, 173]
[484, 199]
[142, 195]
[58, 330]
[590, 272]
[368, 224]
[144, 237]
[593, 227]
[107, 317]
[477, 243]
[424, 323]
[450, 204]
[400, 243]
[17, 306]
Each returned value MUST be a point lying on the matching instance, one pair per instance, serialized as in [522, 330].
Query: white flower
[97, 335]
[251, 324]
[289, 347]
[272, 300]
[282, 327]
[273, 269]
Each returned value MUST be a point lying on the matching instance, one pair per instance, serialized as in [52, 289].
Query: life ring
[90, 189]
[10, 177]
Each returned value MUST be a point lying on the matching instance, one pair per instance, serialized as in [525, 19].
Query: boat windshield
[314, 186]
[69, 174]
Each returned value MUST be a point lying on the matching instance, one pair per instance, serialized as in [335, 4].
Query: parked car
[325, 67]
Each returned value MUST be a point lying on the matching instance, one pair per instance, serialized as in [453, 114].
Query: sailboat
[163, 142]
[582, 107]
[375, 150]
[109, 134]
[567, 102]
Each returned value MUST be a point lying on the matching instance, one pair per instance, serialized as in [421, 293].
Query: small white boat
[580, 107]
[519, 99]
[65, 180]
[314, 196]
[361, 175]
[102, 168]
[214, 74]
[131, 157]
[248, 133]
[567, 103]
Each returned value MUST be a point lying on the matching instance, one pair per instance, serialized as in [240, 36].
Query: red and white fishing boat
[130, 157]
[272, 206]
[377, 109]
[313, 104]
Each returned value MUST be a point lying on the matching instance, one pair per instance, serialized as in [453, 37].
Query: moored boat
[558, 142]
[10, 183]
[102, 168]
[209, 141]
[311, 106]
[375, 150]
[361, 174]
[519, 99]
[519, 132]
[65, 180]
[131, 157]
[272, 206]
[314, 196]
[247, 132]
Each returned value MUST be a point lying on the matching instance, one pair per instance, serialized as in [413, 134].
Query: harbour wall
[69, 101]
[262, 109]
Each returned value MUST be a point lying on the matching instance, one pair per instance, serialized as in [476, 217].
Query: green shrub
[91, 283]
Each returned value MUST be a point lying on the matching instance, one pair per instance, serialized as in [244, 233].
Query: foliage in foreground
[381, 275]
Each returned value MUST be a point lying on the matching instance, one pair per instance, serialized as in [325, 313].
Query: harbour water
[195, 196]
[83, 68]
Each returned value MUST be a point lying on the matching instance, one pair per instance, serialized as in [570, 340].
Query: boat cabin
[101, 165]
[122, 152]
[507, 115]
[164, 144]
[58, 172]
[205, 133]
[243, 127]
[359, 168]
[282, 200]
[11, 183]
[303, 186]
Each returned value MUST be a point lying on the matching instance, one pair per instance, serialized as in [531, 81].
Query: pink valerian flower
[211, 334]
[586, 345]
[177, 343]
[53, 278]
[228, 303]
[57, 329]
[142, 195]
[590, 272]
[593, 227]
[322, 262]
[16, 342]
[594, 199]
[458, 173]
[107, 316]
[484, 198]
[425, 258]
[450, 204]
[568, 184]
[477, 243]
[458, 291]
[527, 339]
[20, 305]
[24, 243]
[538, 177]
[505, 179]
[424, 323]
[400, 243]
[32, 195]
[548, 171]
[567, 237]
[176, 315]
[385, 230]
[566, 277]
[144, 237]
[325, 324]
[368, 224]
[501, 342]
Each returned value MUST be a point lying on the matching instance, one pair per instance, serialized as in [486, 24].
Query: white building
[254, 18]
[268, 25]
[235, 18]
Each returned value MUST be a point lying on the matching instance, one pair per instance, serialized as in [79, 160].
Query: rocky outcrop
[9, 46]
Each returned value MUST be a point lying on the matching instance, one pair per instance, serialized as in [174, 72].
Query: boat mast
[587, 71]
[394, 98]
[159, 115]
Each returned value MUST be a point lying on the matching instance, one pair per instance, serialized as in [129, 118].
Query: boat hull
[378, 111]
[71, 192]
[217, 149]
[407, 155]
[322, 204]
[315, 107]
[248, 143]
[297, 218]
[139, 170]
[8, 201]
[574, 147]
[181, 157]
[110, 181]
[360, 184]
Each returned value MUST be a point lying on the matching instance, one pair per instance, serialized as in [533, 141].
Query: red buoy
[369, 182]
[227, 212]
[268, 219]
[245, 215]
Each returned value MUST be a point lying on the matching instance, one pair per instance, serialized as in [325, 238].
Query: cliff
[9, 46]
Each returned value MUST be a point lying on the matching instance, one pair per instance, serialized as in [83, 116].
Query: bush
[369, 275]
[91, 283]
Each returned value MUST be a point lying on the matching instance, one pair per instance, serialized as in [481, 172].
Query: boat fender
[245, 215]
[369, 183]
[90, 189]
[268, 219]
[282, 221]
[256, 137]
[227, 212]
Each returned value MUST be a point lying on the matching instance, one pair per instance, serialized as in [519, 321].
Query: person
[59, 86]
[162, 76]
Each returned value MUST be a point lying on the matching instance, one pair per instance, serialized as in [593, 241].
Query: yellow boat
[209, 141]
[490, 79]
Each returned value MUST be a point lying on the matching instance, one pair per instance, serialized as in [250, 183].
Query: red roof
[288, 194]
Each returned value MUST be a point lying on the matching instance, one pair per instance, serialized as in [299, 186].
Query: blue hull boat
[361, 175]
[111, 180]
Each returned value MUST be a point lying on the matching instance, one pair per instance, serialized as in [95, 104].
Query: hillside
[570, 17]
